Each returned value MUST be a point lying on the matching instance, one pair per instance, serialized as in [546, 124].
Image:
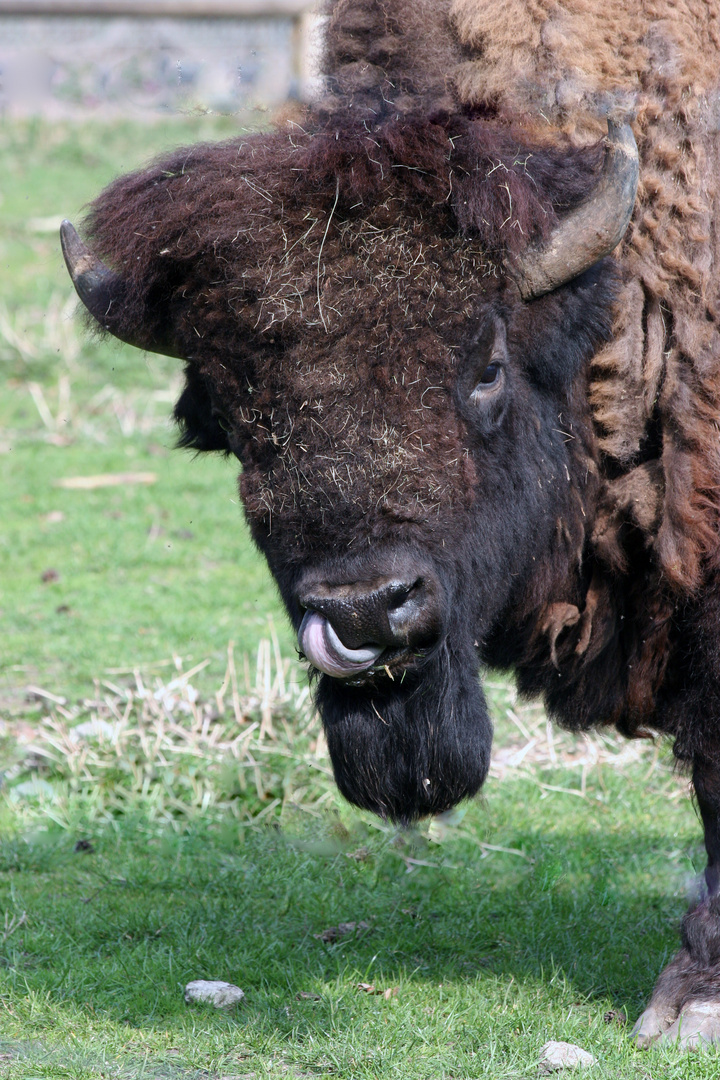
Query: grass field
[110, 577]
[167, 810]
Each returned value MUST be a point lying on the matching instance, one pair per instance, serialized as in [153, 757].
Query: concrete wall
[105, 58]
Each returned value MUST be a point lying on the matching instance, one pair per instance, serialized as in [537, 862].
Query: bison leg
[685, 1006]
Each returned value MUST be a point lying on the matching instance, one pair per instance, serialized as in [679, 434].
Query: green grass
[182, 837]
[492, 953]
[218, 844]
[137, 572]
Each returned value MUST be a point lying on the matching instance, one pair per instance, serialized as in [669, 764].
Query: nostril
[416, 586]
[397, 597]
[400, 594]
[394, 612]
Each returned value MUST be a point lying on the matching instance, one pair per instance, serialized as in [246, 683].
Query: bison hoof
[650, 1026]
[697, 1025]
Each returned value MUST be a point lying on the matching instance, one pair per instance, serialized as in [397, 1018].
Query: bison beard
[414, 747]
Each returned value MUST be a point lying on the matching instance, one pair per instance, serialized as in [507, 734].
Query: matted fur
[655, 388]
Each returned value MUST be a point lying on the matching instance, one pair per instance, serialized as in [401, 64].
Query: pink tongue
[325, 650]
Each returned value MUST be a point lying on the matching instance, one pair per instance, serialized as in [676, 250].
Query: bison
[458, 321]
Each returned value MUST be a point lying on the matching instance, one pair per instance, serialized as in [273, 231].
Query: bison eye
[490, 375]
[490, 381]
[223, 423]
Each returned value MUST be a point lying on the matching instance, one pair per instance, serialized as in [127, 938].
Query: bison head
[388, 325]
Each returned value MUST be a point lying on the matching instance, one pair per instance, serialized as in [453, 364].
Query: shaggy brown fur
[655, 388]
[298, 238]
[560, 65]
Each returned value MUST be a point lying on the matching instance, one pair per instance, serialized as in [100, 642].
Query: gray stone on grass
[223, 995]
[555, 1056]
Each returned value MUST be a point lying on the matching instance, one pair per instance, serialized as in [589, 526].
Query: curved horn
[102, 290]
[590, 231]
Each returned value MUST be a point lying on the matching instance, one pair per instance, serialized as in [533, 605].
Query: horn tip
[73, 248]
[68, 231]
[620, 135]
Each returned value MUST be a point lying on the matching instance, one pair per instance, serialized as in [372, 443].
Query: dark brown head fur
[337, 292]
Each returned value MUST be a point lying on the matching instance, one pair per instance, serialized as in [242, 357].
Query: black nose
[388, 611]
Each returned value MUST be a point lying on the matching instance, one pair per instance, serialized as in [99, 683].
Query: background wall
[121, 57]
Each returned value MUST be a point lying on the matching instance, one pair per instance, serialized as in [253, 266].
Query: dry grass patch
[528, 745]
[153, 742]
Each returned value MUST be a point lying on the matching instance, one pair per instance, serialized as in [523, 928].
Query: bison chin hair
[409, 748]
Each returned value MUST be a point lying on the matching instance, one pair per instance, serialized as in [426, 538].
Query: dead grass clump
[528, 746]
[252, 748]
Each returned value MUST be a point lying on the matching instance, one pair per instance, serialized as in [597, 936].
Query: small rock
[561, 1055]
[223, 995]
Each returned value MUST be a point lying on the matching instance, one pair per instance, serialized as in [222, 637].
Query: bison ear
[199, 426]
[563, 330]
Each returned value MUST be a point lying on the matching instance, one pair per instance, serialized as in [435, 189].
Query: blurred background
[140, 58]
